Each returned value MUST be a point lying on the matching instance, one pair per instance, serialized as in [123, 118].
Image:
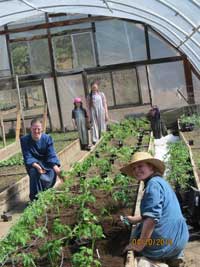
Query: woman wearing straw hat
[162, 232]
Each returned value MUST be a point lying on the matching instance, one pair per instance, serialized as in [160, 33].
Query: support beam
[189, 82]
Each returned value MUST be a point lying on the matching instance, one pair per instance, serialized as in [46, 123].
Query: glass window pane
[159, 48]
[70, 87]
[30, 57]
[105, 85]
[126, 87]
[39, 56]
[8, 98]
[32, 97]
[112, 42]
[166, 81]
[52, 102]
[20, 58]
[144, 87]
[4, 62]
[62, 52]
[83, 50]
[136, 41]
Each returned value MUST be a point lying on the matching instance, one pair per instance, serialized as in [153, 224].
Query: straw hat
[143, 157]
[77, 100]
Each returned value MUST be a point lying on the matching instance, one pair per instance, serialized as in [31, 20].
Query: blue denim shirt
[170, 234]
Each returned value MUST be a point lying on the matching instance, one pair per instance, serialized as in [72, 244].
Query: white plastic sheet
[178, 20]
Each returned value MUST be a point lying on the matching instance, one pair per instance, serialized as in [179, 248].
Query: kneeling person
[41, 161]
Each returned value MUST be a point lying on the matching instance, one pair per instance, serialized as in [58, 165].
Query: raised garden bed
[79, 225]
[182, 177]
[192, 141]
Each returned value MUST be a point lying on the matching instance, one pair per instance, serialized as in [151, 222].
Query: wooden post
[44, 121]
[3, 132]
[20, 104]
[18, 124]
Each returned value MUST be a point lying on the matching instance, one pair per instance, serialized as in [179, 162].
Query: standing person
[81, 122]
[154, 117]
[98, 111]
[162, 232]
[41, 161]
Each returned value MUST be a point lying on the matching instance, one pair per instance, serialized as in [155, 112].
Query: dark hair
[94, 82]
[33, 121]
[90, 94]
[81, 105]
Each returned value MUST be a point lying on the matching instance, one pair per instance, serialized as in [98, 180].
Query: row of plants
[44, 234]
[188, 123]
[179, 168]
[17, 159]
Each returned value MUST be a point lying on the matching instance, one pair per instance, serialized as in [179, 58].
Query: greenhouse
[98, 81]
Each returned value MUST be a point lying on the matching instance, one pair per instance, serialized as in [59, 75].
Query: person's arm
[151, 213]
[73, 120]
[134, 219]
[57, 169]
[38, 167]
[51, 156]
[88, 107]
[105, 106]
[74, 124]
[147, 230]
[29, 159]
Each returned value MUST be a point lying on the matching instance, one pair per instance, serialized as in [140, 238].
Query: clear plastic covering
[167, 81]
[178, 21]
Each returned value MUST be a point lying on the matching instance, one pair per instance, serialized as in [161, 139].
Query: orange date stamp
[152, 242]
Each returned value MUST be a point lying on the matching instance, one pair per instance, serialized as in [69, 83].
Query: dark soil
[110, 248]
[116, 233]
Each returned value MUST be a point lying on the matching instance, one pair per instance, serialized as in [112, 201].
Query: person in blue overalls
[41, 161]
[81, 123]
[161, 232]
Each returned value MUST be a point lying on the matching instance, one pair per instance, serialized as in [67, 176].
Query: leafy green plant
[85, 258]
[27, 259]
[103, 165]
[124, 153]
[179, 165]
[52, 249]
[12, 161]
[188, 120]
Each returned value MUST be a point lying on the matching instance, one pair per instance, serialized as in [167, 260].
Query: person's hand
[106, 118]
[57, 169]
[134, 219]
[39, 168]
[132, 247]
[41, 171]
